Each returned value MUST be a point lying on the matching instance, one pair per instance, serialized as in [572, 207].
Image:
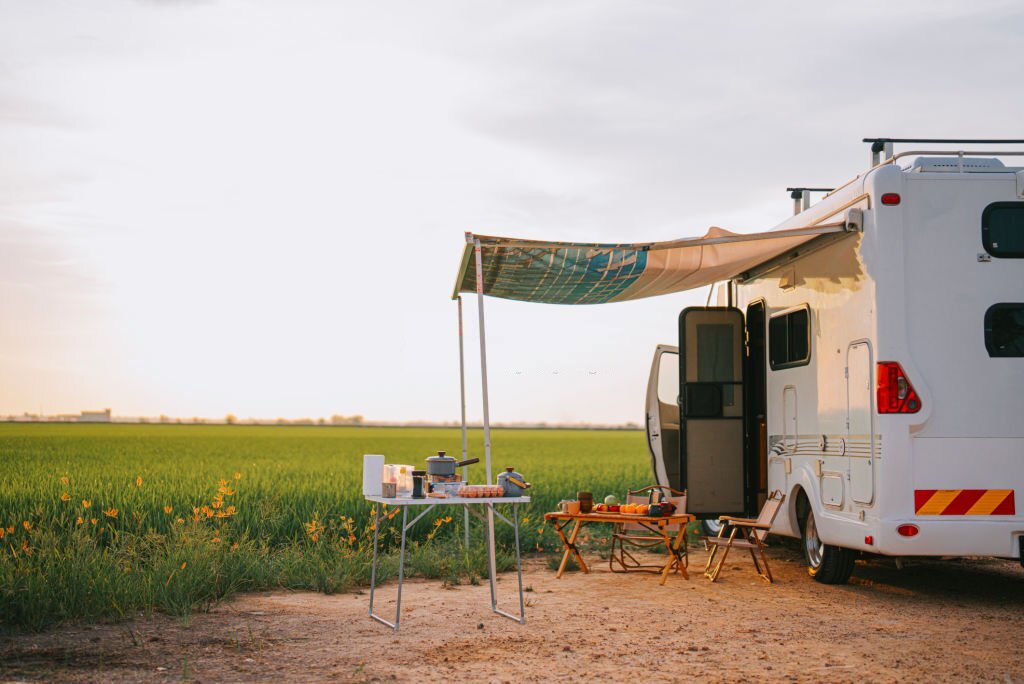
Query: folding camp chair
[641, 537]
[744, 533]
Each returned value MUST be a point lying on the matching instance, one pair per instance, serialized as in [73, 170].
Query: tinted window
[789, 339]
[1004, 330]
[668, 379]
[715, 358]
[1002, 229]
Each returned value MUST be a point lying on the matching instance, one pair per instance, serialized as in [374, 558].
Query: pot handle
[468, 461]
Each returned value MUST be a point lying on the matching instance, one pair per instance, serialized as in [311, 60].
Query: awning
[586, 273]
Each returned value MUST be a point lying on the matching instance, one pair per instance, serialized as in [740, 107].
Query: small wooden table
[658, 525]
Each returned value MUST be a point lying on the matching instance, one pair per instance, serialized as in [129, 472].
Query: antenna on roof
[802, 197]
[880, 145]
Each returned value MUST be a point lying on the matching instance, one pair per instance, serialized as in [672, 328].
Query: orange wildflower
[64, 479]
[111, 513]
[168, 509]
[79, 521]
[27, 525]
[65, 497]
[86, 503]
[183, 564]
[238, 476]
[138, 481]
[2, 532]
[92, 520]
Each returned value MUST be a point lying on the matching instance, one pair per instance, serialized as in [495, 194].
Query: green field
[100, 520]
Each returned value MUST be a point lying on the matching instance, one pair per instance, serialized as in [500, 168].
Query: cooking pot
[512, 483]
[445, 465]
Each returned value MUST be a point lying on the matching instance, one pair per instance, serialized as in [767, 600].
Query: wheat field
[101, 520]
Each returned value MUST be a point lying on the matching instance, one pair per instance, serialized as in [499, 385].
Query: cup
[388, 490]
[572, 507]
[586, 501]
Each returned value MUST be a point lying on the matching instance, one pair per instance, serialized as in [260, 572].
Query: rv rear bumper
[999, 538]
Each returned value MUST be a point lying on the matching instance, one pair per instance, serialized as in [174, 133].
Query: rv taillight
[891, 199]
[895, 393]
[907, 530]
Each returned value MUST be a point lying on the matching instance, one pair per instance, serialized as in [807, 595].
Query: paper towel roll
[373, 474]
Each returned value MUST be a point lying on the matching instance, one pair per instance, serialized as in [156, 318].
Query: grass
[102, 520]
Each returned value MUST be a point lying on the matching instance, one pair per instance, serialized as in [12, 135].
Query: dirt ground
[930, 621]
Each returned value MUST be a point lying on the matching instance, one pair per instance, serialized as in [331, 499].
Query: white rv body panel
[913, 287]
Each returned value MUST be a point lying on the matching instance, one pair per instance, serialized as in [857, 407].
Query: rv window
[789, 339]
[1004, 330]
[1002, 229]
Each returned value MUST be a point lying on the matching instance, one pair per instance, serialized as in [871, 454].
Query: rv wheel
[825, 563]
[710, 528]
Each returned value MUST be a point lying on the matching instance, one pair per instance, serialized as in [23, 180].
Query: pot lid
[441, 457]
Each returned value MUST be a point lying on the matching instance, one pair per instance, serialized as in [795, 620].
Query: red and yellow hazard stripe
[964, 502]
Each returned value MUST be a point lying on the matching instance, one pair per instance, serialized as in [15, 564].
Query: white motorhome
[874, 376]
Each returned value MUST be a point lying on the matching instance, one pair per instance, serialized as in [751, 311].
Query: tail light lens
[907, 530]
[891, 199]
[895, 393]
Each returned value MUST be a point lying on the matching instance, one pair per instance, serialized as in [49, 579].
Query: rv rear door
[712, 430]
[663, 415]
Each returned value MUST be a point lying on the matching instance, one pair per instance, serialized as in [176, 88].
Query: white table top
[450, 501]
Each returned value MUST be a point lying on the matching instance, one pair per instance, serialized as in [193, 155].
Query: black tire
[710, 528]
[826, 563]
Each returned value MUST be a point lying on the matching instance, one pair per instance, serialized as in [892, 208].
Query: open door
[712, 430]
[663, 416]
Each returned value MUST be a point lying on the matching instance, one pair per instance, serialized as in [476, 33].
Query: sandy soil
[931, 621]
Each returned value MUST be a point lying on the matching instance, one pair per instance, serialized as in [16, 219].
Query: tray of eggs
[480, 491]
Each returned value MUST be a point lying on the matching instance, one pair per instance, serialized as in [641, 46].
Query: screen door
[712, 431]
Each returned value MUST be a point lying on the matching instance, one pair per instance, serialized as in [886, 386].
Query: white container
[401, 475]
[373, 474]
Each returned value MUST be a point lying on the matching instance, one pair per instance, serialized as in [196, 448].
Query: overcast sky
[258, 207]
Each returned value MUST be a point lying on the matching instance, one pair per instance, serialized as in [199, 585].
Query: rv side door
[712, 431]
[663, 415]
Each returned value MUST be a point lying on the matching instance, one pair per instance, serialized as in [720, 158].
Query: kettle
[512, 483]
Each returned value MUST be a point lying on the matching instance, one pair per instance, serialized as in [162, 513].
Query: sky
[258, 208]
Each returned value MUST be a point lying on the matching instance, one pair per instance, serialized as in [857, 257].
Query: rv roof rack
[880, 145]
[802, 197]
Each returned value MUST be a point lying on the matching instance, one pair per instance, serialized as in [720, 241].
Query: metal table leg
[514, 524]
[373, 570]
[492, 565]
[401, 572]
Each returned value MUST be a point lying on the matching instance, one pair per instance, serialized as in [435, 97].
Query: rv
[874, 376]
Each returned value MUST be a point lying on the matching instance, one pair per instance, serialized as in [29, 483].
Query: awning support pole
[487, 414]
[483, 356]
[462, 393]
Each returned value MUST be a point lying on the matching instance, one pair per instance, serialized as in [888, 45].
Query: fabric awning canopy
[584, 273]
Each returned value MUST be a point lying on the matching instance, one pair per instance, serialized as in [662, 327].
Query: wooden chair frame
[744, 533]
[621, 560]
